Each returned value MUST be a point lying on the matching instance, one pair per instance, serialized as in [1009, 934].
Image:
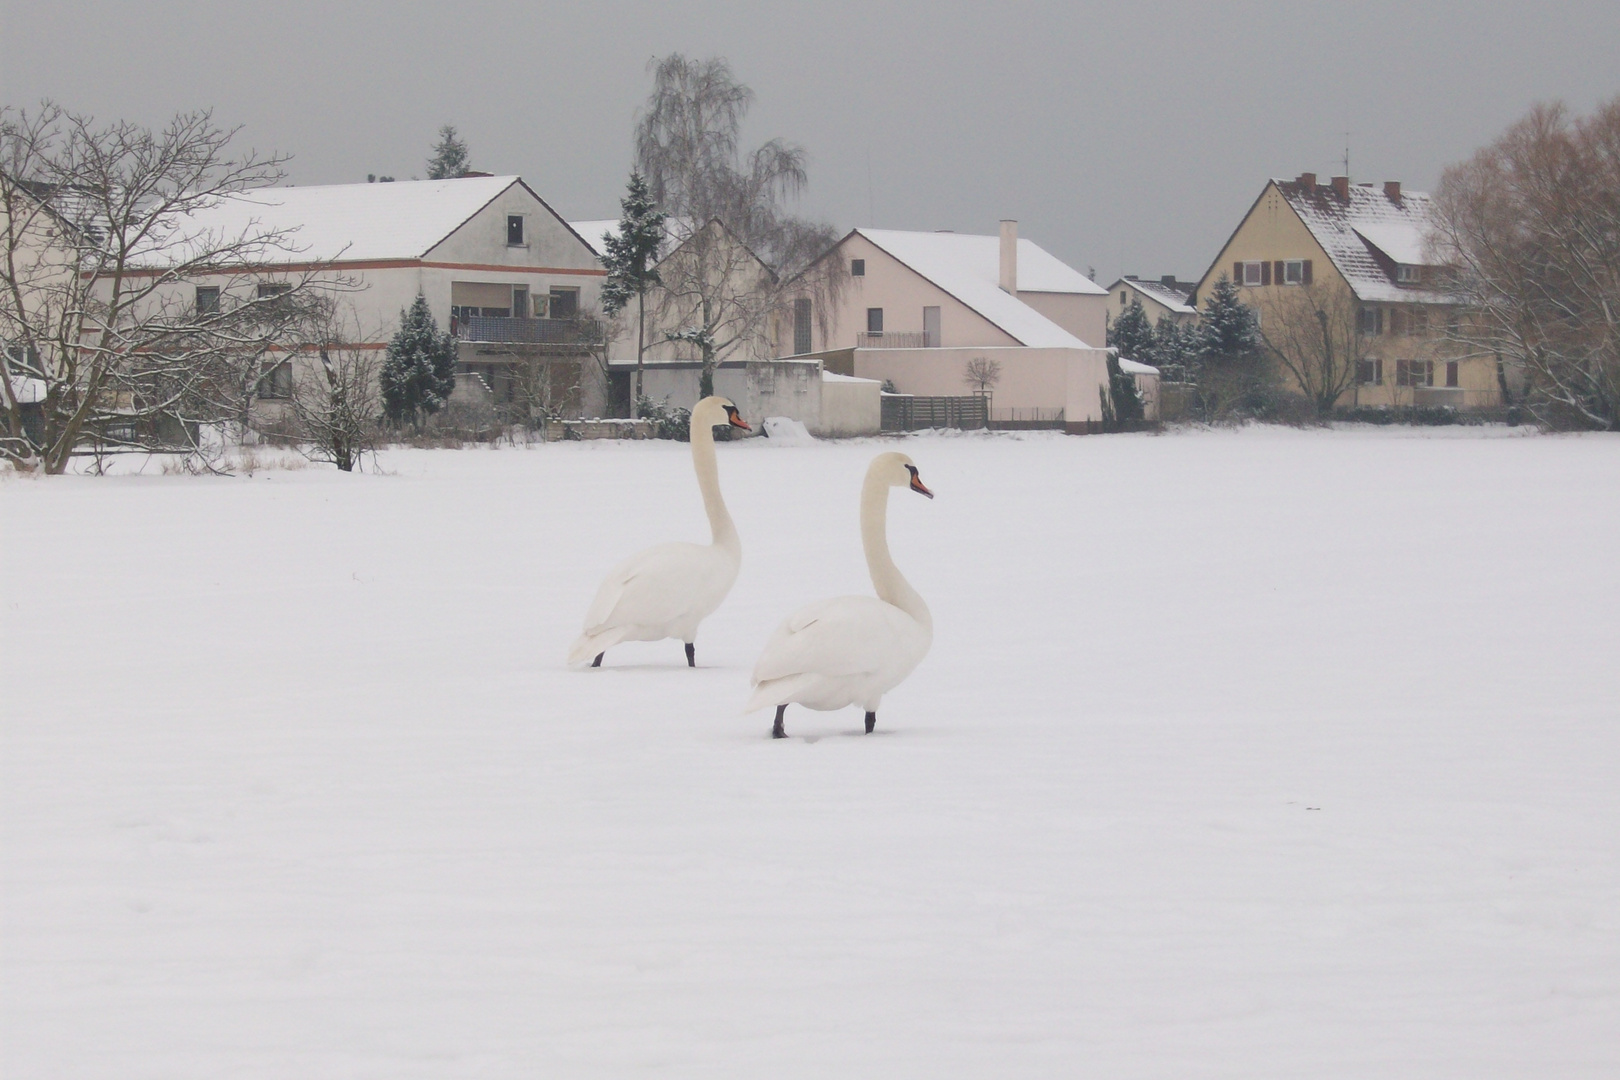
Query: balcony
[896, 339]
[496, 330]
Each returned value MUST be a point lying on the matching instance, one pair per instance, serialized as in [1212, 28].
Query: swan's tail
[593, 642]
[773, 692]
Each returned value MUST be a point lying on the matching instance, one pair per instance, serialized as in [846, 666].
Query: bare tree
[687, 148]
[336, 404]
[982, 374]
[101, 335]
[1312, 332]
[1533, 224]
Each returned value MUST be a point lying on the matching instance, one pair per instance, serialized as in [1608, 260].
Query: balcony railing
[491, 328]
[895, 339]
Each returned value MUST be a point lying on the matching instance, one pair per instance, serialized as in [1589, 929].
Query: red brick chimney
[1392, 190]
[1307, 180]
[1341, 187]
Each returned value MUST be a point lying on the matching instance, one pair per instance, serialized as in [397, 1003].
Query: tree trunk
[641, 348]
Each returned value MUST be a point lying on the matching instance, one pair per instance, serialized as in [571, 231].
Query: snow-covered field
[1253, 754]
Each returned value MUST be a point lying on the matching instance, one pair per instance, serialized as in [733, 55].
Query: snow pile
[1259, 754]
[784, 431]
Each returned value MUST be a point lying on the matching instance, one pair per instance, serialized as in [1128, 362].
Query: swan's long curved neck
[721, 526]
[891, 585]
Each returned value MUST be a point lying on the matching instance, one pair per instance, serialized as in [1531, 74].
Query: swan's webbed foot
[871, 722]
[777, 732]
[598, 661]
[691, 655]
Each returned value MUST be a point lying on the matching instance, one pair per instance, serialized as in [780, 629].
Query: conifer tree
[1228, 332]
[1132, 334]
[450, 156]
[420, 370]
[630, 259]
[1172, 347]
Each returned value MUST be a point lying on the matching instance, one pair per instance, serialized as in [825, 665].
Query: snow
[28, 390]
[402, 219]
[1244, 754]
[786, 431]
[969, 268]
[592, 232]
[1174, 299]
[833, 376]
[1403, 243]
[1136, 367]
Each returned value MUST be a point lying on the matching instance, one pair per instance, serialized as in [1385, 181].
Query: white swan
[853, 649]
[666, 591]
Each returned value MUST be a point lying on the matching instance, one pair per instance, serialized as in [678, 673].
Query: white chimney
[1009, 255]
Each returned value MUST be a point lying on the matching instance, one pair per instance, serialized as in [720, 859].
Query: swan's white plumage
[851, 650]
[668, 590]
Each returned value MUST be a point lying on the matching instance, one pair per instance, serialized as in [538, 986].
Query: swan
[666, 591]
[851, 650]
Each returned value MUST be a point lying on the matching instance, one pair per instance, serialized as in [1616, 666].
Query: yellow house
[1349, 296]
[1160, 298]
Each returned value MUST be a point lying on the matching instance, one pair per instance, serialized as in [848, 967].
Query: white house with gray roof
[498, 267]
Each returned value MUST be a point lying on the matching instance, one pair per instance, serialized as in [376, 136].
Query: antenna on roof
[1347, 153]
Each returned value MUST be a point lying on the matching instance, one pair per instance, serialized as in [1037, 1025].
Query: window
[874, 320]
[269, 290]
[1256, 272]
[1124, 298]
[1370, 321]
[208, 300]
[1414, 372]
[857, 268]
[564, 302]
[520, 301]
[514, 230]
[930, 327]
[1451, 374]
[276, 384]
[1407, 274]
[1295, 272]
[1370, 372]
[801, 327]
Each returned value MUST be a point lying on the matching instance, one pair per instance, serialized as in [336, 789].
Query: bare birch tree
[1533, 224]
[688, 149]
[100, 336]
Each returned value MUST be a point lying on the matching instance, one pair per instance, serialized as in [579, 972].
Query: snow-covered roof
[28, 390]
[969, 268]
[1356, 231]
[833, 376]
[1132, 367]
[348, 222]
[591, 232]
[1173, 297]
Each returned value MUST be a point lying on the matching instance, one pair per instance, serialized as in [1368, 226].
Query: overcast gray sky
[1126, 136]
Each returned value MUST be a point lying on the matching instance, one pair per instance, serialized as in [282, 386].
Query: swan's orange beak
[916, 483]
[736, 419]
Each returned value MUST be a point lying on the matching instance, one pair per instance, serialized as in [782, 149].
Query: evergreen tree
[630, 260]
[1233, 378]
[1120, 402]
[1228, 334]
[1172, 347]
[1132, 334]
[420, 370]
[450, 157]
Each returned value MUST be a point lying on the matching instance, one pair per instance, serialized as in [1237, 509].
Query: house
[498, 267]
[1161, 298]
[713, 282]
[1357, 255]
[917, 308]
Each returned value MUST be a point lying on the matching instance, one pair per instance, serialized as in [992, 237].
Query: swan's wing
[849, 635]
[647, 588]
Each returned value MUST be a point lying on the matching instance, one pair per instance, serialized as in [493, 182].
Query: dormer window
[1407, 274]
[514, 230]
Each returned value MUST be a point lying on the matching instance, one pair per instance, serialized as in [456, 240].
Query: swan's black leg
[598, 661]
[691, 655]
[777, 732]
[871, 722]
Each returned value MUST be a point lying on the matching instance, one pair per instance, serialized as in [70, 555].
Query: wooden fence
[904, 412]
